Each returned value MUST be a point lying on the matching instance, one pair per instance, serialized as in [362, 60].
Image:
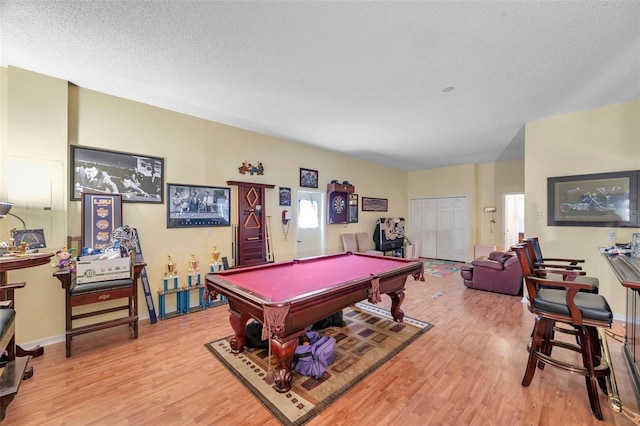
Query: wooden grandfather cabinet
[338, 202]
[251, 247]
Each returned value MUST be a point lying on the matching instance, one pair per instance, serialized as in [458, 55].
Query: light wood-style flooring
[465, 371]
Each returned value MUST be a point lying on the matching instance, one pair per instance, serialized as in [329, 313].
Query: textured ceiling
[362, 78]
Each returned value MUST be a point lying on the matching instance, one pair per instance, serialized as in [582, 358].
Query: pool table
[287, 297]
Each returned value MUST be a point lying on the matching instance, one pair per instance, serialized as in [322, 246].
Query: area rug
[440, 268]
[368, 339]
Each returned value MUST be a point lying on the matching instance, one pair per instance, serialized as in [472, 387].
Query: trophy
[215, 259]
[170, 268]
[194, 265]
[12, 241]
[194, 271]
[22, 249]
[171, 273]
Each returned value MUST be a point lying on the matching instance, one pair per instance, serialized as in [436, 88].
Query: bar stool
[535, 252]
[569, 303]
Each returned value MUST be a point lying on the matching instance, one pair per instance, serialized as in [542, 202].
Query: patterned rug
[440, 268]
[368, 340]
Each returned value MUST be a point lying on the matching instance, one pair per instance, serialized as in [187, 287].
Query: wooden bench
[124, 290]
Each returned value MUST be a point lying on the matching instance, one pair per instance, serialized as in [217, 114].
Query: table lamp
[5, 207]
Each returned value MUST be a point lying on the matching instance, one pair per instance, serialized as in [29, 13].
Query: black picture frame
[600, 199]
[185, 211]
[352, 208]
[375, 204]
[101, 214]
[33, 237]
[308, 178]
[285, 196]
[139, 178]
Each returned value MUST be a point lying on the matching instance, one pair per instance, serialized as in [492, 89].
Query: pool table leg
[239, 324]
[397, 297]
[283, 351]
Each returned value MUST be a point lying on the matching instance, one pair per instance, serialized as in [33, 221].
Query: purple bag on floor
[313, 359]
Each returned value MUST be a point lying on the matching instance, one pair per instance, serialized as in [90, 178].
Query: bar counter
[627, 270]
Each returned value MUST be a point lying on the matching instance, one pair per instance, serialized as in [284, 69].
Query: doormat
[369, 338]
[440, 268]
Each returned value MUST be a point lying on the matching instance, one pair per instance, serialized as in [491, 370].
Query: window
[308, 212]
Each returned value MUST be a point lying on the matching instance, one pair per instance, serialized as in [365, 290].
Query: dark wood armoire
[251, 234]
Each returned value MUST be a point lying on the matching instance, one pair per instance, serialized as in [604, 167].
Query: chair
[566, 302]
[13, 367]
[349, 242]
[364, 244]
[99, 293]
[498, 272]
[535, 253]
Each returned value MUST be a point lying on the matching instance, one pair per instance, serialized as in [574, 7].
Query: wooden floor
[465, 371]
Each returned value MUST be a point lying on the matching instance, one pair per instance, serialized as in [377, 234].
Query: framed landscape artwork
[192, 206]
[601, 199]
[139, 178]
[375, 204]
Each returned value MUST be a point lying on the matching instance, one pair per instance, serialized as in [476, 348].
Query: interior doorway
[310, 223]
[513, 220]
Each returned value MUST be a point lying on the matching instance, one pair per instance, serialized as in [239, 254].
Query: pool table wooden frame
[304, 309]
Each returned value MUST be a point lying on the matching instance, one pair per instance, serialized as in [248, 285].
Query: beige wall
[483, 184]
[594, 141]
[44, 115]
[494, 181]
[201, 152]
[40, 116]
[34, 127]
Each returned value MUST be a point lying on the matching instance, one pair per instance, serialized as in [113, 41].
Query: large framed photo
[101, 214]
[139, 178]
[602, 199]
[192, 206]
[308, 178]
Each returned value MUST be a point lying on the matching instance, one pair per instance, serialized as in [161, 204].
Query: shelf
[183, 301]
[339, 187]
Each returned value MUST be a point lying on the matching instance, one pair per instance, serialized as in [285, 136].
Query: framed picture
[33, 237]
[285, 196]
[101, 214]
[308, 178]
[139, 178]
[375, 204]
[192, 206]
[352, 212]
[602, 199]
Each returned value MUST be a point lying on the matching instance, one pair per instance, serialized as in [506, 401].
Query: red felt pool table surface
[287, 280]
[289, 296]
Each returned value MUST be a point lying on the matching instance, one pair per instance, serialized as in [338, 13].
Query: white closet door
[423, 227]
[430, 226]
[452, 229]
[439, 227]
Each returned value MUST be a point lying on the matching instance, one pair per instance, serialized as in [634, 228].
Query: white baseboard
[58, 338]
